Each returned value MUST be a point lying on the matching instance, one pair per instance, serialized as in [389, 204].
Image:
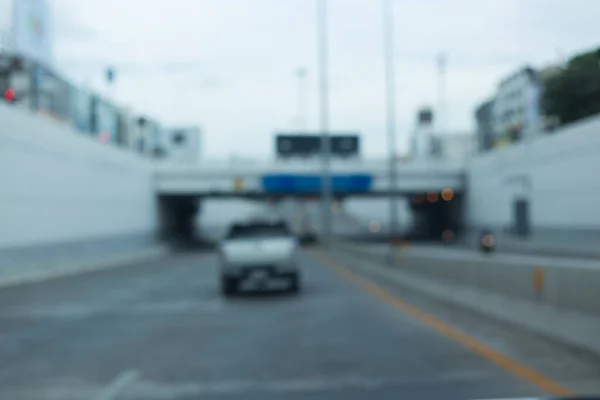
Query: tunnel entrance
[436, 216]
[177, 216]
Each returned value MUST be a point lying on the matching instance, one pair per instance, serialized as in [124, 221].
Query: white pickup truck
[259, 251]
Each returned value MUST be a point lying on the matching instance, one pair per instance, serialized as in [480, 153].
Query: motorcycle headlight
[488, 240]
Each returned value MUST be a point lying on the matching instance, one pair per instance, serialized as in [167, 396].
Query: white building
[421, 140]
[421, 145]
[517, 109]
[453, 146]
[25, 29]
[181, 144]
[426, 144]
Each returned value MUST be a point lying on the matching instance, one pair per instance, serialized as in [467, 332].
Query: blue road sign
[305, 183]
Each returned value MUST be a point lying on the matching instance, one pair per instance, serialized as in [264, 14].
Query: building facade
[453, 146]
[421, 142]
[484, 118]
[26, 29]
[181, 144]
[27, 72]
[517, 106]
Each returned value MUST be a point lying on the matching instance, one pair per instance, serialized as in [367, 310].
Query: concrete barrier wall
[570, 286]
[64, 194]
[550, 297]
[557, 173]
[567, 284]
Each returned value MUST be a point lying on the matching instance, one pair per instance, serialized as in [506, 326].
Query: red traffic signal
[9, 95]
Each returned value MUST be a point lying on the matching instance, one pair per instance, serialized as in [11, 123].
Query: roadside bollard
[538, 281]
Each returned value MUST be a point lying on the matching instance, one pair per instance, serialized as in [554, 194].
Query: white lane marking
[162, 391]
[128, 386]
[122, 381]
[66, 311]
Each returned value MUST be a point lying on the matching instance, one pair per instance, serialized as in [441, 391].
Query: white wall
[57, 185]
[559, 173]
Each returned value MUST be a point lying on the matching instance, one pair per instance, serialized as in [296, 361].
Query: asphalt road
[163, 331]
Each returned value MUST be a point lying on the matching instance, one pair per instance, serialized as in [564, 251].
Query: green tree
[574, 93]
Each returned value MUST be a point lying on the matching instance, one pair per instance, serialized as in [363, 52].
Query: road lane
[162, 331]
[571, 368]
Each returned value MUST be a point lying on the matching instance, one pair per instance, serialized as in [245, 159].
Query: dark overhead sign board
[304, 146]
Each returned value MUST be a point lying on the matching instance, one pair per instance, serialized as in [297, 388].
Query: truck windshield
[258, 230]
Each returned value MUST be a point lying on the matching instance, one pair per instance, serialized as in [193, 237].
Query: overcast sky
[229, 65]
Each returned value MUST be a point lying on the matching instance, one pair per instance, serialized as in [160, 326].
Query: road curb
[32, 277]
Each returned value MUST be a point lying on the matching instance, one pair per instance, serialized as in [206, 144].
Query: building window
[179, 138]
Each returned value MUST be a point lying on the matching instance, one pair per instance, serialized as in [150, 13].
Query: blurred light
[488, 240]
[448, 235]
[104, 137]
[432, 197]
[447, 194]
[404, 244]
[10, 94]
[374, 226]
[418, 199]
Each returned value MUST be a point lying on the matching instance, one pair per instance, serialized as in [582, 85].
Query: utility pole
[390, 101]
[324, 118]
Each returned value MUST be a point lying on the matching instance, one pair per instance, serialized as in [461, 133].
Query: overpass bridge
[274, 179]
[180, 189]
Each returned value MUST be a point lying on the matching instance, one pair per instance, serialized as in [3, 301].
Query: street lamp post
[390, 95]
[324, 119]
[441, 65]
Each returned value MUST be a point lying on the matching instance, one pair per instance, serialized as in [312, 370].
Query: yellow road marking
[514, 367]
